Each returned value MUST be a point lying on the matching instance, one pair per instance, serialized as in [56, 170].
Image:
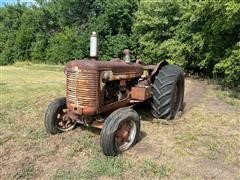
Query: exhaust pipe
[93, 45]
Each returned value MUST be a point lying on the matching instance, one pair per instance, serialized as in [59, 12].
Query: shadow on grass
[144, 110]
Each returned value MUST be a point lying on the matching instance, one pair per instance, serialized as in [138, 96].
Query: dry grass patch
[96, 167]
[202, 144]
[151, 169]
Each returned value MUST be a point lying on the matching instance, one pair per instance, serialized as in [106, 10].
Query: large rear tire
[168, 92]
[120, 132]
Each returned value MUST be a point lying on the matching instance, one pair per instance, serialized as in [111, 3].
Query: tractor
[102, 94]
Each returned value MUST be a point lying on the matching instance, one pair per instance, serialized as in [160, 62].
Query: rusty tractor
[102, 94]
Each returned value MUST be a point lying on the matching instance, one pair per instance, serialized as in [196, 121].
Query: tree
[9, 25]
[200, 34]
[65, 46]
[155, 23]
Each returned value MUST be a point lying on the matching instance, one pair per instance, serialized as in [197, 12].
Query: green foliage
[64, 46]
[202, 35]
[229, 66]
[114, 27]
[38, 48]
[72, 12]
[199, 34]
[115, 45]
[155, 23]
[9, 24]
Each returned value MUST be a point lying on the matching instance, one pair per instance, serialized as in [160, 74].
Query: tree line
[195, 34]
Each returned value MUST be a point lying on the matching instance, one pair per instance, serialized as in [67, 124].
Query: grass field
[202, 144]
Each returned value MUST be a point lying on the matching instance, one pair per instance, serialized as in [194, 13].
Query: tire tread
[163, 87]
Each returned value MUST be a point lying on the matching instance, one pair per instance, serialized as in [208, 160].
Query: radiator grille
[82, 88]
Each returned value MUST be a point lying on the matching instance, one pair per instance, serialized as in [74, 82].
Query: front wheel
[121, 131]
[56, 118]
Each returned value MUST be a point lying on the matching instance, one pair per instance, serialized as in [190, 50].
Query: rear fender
[156, 70]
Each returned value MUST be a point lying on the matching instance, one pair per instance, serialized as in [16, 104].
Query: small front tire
[120, 132]
[56, 118]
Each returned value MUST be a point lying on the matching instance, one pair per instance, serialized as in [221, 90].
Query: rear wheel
[121, 131]
[168, 92]
[56, 118]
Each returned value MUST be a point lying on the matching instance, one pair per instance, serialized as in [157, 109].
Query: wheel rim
[125, 135]
[63, 122]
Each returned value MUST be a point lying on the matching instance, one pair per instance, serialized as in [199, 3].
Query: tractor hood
[116, 66]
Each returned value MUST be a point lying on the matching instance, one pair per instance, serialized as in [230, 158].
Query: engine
[112, 92]
[118, 90]
[94, 86]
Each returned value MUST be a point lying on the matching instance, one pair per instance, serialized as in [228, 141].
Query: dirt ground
[203, 143]
[195, 164]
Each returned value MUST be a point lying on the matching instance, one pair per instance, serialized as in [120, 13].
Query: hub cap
[125, 135]
[64, 123]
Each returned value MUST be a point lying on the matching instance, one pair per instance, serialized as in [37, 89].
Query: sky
[2, 2]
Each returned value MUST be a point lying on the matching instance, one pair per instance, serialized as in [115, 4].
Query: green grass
[213, 148]
[5, 139]
[150, 169]
[46, 67]
[224, 93]
[31, 66]
[26, 90]
[84, 145]
[66, 175]
[96, 167]
[231, 97]
[26, 172]
[105, 166]
[35, 134]
[23, 63]
[186, 139]
[25, 94]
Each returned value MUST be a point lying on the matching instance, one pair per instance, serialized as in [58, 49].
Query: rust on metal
[63, 120]
[156, 69]
[97, 124]
[115, 105]
[123, 133]
[141, 93]
[149, 67]
[72, 114]
[117, 67]
[83, 90]
[87, 82]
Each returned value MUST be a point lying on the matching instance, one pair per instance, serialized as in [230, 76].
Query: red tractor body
[87, 82]
[94, 89]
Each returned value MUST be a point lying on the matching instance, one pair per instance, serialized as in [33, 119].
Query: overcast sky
[2, 2]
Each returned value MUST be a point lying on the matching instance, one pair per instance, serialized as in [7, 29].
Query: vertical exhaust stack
[126, 52]
[93, 45]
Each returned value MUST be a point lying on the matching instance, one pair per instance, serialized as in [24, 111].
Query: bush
[64, 46]
[199, 34]
[229, 67]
